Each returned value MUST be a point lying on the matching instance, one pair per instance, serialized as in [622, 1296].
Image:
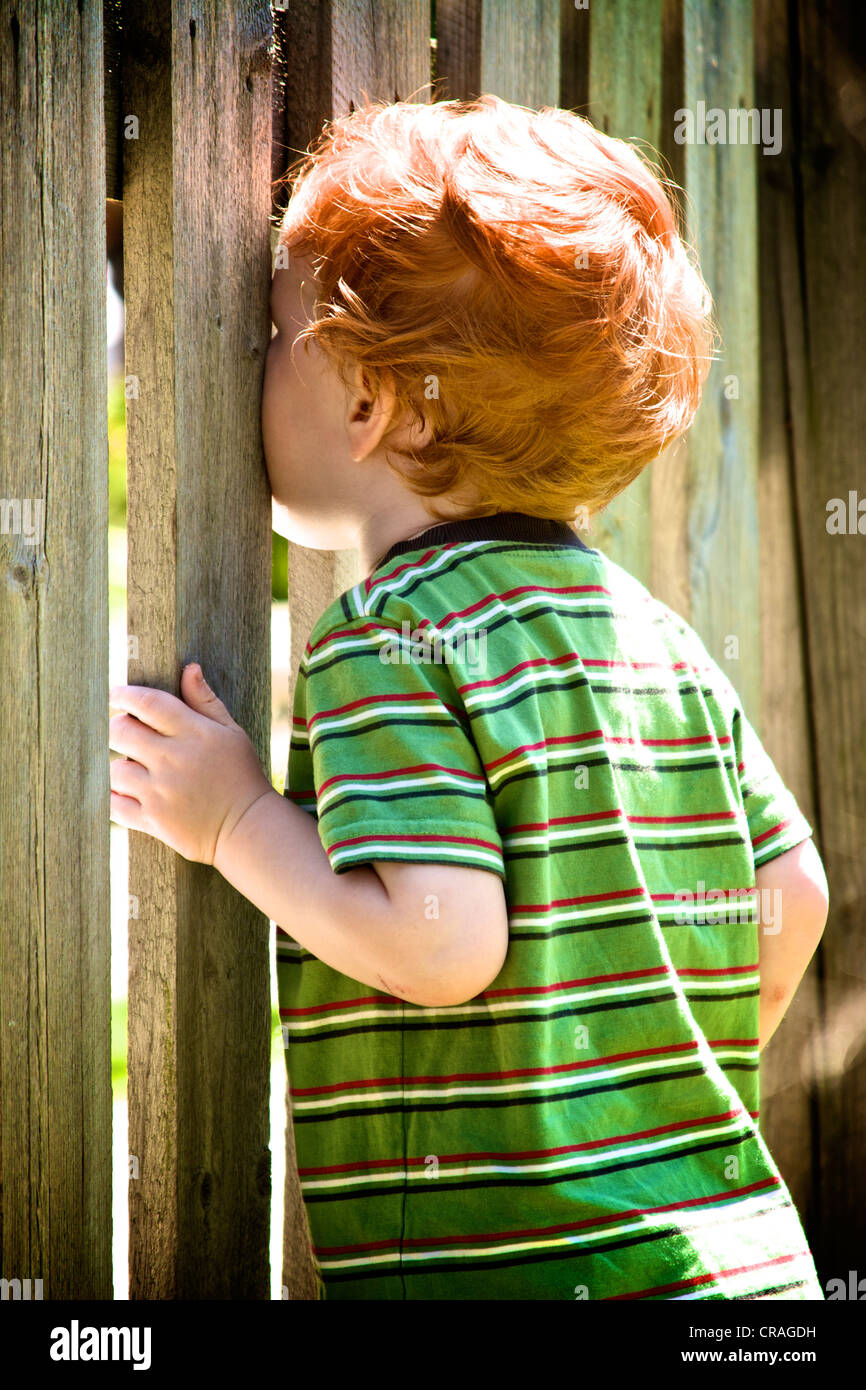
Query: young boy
[521, 958]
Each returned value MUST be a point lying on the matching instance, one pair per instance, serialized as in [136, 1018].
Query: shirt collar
[502, 526]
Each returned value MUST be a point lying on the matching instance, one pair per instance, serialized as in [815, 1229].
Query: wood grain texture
[520, 58]
[574, 38]
[788, 1064]
[824, 325]
[512, 50]
[335, 52]
[196, 205]
[625, 101]
[723, 443]
[669, 473]
[458, 50]
[55, 992]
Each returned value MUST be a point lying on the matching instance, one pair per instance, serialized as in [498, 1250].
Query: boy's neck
[500, 526]
[374, 547]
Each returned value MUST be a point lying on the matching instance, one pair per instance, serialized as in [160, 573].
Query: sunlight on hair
[535, 266]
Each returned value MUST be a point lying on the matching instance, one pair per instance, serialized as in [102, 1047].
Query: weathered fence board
[670, 473]
[788, 1065]
[574, 33]
[824, 319]
[55, 995]
[512, 50]
[625, 100]
[723, 444]
[197, 260]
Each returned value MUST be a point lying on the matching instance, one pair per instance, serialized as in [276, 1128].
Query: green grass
[118, 1044]
[116, 453]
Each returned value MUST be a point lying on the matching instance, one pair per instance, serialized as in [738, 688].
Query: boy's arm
[784, 953]
[432, 934]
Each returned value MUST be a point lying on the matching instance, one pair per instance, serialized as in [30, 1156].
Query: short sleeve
[397, 775]
[776, 823]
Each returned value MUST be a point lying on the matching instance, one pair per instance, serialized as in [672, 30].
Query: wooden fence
[187, 119]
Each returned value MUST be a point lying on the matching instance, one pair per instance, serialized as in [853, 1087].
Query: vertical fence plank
[458, 50]
[823, 291]
[739, 581]
[625, 100]
[196, 204]
[334, 52]
[574, 32]
[723, 444]
[511, 50]
[55, 994]
[788, 1073]
[669, 474]
[520, 57]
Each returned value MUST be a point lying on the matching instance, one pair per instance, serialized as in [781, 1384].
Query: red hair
[521, 279]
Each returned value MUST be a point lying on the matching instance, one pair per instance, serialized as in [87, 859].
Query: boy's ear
[372, 413]
[369, 412]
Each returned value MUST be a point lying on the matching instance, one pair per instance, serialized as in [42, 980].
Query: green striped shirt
[497, 694]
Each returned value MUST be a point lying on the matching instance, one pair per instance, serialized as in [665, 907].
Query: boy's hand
[194, 772]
